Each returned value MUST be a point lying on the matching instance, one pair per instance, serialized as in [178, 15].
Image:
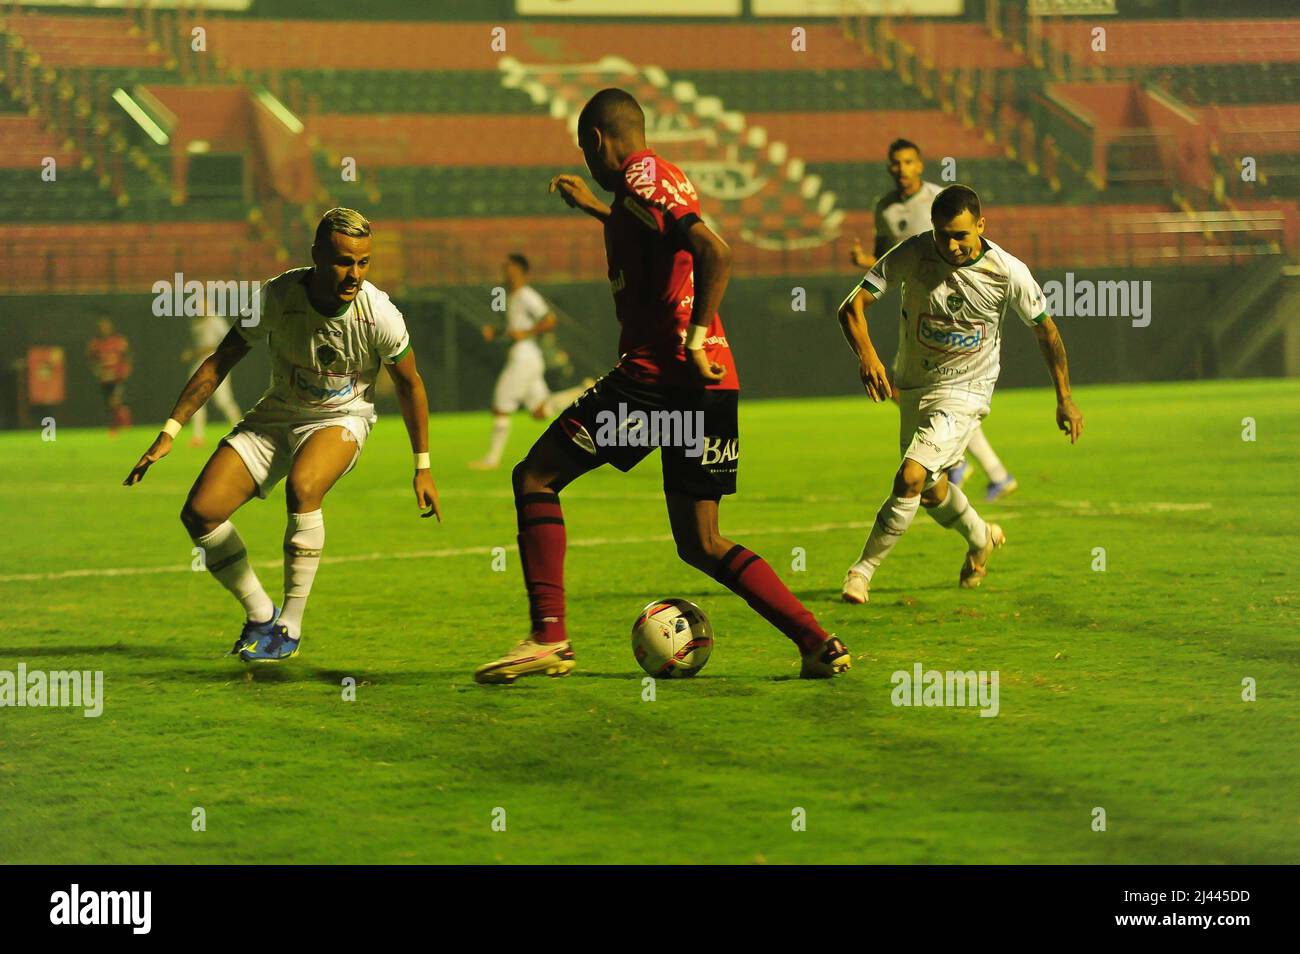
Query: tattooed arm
[1068, 418]
[206, 379]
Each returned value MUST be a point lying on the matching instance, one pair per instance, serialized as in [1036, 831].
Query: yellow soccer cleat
[829, 659]
[529, 658]
[976, 564]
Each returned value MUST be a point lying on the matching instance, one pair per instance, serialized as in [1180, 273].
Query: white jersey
[951, 333]
[898, 218]
[207, 332]
[321, 366]
[524, 309]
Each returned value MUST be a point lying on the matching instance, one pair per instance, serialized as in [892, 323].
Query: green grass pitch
[1119, 689]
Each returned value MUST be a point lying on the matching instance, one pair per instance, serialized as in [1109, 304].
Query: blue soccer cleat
[1001, 489]
[957, 472]
[276, 646]
[253, 631]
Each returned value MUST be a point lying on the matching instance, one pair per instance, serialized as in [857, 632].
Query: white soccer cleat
[976, 564]
[856, 588]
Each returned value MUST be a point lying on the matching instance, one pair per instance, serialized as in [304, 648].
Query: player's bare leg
[537, 481]
[321, 460]
[701, 544]
[223, 486]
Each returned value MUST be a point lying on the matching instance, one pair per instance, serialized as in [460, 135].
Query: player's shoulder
[658, 182]
[530, 295]
[931, 189]
[885, 200]
[376, 310]
[288, 281]
[1004, 262]
[916, 247]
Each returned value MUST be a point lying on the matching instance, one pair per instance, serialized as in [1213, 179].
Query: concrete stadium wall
[780, 352]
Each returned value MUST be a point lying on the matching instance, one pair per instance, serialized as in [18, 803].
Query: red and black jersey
[109, 358]
[651, 271]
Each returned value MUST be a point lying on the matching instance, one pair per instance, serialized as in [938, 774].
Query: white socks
[226, 558]
[892, 521]
[983, 453]
[956, 513]
[500, 432]
[304, 538]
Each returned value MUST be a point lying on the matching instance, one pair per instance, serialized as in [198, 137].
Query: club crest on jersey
[955, 303]
[326, 355]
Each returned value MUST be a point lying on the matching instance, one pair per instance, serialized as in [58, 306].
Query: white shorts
[267, 450]
[521, 382]
[934, 429]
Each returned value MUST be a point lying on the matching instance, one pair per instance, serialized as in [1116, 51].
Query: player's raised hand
[426, 494]
[160, 448]
[858, 254]
[574, 191]
[875, 379]
[701, 369]
[1069, 420]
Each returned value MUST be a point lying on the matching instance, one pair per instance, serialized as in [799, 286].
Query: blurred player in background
[206, 334]
[109, 355]
[522, 382]
[668, 272]
[900, 214]
[328, 330]
[957, 289]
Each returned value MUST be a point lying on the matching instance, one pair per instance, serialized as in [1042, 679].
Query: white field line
[1076, 508]
[414, 554]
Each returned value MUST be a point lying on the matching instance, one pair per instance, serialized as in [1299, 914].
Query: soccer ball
[672, 639]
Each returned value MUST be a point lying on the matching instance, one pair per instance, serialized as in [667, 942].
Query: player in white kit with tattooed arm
[957, 289]
[328, 330]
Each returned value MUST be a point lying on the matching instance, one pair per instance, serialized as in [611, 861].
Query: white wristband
[172, 427]
[422, 461]
[695, 337]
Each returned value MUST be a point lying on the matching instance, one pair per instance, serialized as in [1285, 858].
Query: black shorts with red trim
[619, 421]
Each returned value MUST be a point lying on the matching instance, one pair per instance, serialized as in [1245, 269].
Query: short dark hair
[518, 259]
[615, 112]
[953, 201]
[898, 144]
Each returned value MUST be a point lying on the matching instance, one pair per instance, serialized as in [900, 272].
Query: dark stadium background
[1117, 166]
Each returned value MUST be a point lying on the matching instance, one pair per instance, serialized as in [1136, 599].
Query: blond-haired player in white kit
[901, 213]
[957, 289]
[328, 331]
[522, 382]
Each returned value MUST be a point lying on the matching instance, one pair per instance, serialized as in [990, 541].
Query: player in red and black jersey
[675, 387]
[109, 355]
